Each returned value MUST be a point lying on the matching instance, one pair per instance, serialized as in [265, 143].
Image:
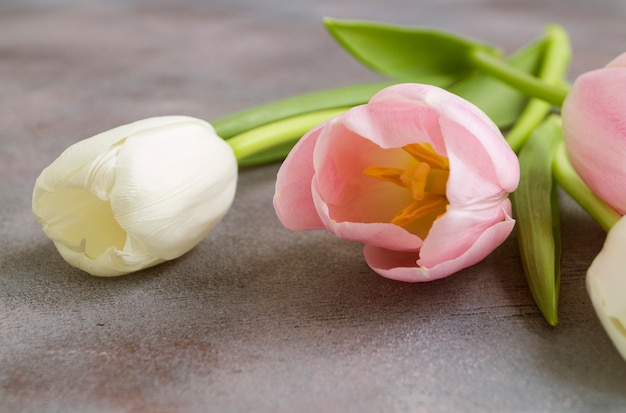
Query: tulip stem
[522, 81]
[553, 68]
[570, 181]
[239, 122]
[261, 141]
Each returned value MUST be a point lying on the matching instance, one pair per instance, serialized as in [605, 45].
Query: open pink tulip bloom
[418, 175]
[594, 129]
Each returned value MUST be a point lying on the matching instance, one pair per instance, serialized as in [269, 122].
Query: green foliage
[535, 206]
[406, 53]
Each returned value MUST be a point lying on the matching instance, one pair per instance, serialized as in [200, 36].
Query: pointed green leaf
[405, 53]
[535, 206]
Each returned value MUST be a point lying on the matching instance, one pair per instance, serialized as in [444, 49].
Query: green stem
[245, 120]
[528, 84]
[570, 181]
[279, 133]
[552, 71]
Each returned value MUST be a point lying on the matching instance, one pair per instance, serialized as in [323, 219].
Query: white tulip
[606, 284]
[136, 195]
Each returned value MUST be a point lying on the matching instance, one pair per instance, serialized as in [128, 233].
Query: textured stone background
[258, 318]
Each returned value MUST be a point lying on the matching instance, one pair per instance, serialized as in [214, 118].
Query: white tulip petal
[170, 196]
[98, 177]
[136, 195]
[606, 284]
[84, 151]
[111, 263]
[73, 216]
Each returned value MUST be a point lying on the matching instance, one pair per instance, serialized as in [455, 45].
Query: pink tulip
[418, 175]
[594, 129]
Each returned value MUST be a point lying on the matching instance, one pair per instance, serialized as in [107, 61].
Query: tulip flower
[136, 195]
[594, 130]
[606, 284]
[418, 175]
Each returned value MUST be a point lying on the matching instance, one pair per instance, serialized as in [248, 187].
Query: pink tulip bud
[594, 129]
[418, 175]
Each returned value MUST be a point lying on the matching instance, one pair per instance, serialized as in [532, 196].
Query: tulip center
[425, 178]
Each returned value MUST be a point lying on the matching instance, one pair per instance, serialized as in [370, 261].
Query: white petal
[110, 263]
[173, 186]
[606, 284]
[80, 221]
[84, 151]
[98, 176]
[168, 212]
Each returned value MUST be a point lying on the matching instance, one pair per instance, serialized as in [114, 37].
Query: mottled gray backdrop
[257, 318]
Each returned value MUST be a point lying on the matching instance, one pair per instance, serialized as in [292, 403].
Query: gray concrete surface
[257, 318]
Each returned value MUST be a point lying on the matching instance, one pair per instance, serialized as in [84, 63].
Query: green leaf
[501, 102]
[535, 206]
[406, 53]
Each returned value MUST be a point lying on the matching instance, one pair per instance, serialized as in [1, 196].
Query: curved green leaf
[404, 53]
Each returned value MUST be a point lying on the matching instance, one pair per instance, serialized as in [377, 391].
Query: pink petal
[482, 165]
[476, 174]
[292, 200]
[402, 266]
[472, 137]
[618, 62]
[379, 234]
[396, 265]
[398, 116]
[458, 230]
[484, 245]
[594, 127]
[340, 158]
[411, 113]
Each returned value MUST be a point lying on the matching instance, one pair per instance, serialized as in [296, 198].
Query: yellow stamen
[418, 209]
[425, 179]
[424, 152]
[383, 173]
[415, 179]
[437, 181]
